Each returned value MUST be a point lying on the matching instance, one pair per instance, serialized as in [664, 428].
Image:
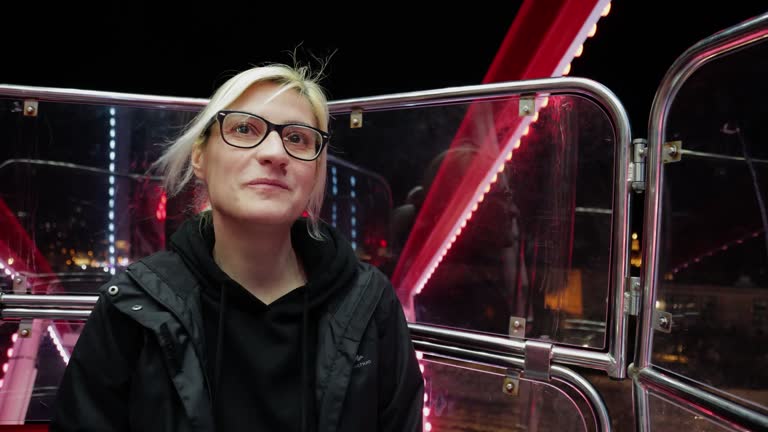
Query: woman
[257, 318]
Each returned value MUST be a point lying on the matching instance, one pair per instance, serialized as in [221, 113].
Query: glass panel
[461, 398]
[617, 395]
[63, 224]
[668, 416]
[67, 227]
[33, 367]
[538, 244]
[75, 204]
[713, 259]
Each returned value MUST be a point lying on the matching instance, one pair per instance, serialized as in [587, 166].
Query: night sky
[375, 48]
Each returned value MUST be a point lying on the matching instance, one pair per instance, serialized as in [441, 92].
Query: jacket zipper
[178, 318]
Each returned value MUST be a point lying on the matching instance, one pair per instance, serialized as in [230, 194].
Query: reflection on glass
[714, 259]
[71, 212]
[496, 215]
[33, 367]
[76, 206]
[538, 189]
[462, 399]
[668, 416]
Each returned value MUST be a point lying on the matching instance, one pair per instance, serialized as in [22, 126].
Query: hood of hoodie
[329, 264]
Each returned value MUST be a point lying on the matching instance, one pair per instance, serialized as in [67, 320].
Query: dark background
[376, 48]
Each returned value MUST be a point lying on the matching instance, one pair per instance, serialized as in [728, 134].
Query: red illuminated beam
[542, 42]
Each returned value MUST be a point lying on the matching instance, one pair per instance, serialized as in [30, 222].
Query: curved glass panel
[669, 416]
[76, 205]
[461, 398]
[495, 214]
[533, 193]
[714, 240]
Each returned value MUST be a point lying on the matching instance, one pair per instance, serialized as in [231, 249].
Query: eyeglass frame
[221, 115]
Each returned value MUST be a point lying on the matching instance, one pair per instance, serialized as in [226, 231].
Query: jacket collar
[181, 297]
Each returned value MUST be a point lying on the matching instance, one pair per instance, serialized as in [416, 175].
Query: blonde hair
[175, 164]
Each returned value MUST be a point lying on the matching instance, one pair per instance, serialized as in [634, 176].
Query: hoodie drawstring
[219, 349]
[304, 361]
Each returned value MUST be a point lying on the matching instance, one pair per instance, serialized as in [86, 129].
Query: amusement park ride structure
[554, 338]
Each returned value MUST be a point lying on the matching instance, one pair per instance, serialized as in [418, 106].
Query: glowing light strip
[353, 217]
[588, 30]
[6, 269]
[714, 251]
[112, 154]
[576, 49]
[426, 408]
[6, 365]
[54, 334]
[479, 195]
[335, 192]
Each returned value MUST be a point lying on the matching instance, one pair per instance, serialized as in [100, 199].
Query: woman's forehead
[276, 103]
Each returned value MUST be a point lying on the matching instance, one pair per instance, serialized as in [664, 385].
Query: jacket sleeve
[94, 392]
[402, 385]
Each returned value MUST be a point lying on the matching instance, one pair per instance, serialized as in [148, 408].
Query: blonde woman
[256, 318]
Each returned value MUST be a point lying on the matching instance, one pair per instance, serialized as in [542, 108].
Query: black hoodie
[261, 356]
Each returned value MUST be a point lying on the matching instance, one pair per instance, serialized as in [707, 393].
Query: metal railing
[458, 345]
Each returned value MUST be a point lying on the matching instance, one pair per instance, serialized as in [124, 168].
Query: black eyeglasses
[245, 130]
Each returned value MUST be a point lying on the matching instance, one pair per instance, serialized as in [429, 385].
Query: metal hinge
[632, 296]
[637, 166]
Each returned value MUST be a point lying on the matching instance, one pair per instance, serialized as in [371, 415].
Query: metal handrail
[557, 373]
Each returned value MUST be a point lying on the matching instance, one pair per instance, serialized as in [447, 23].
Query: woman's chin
[264, 215]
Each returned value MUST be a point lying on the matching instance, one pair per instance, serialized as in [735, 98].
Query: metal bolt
[516, 325]
[24, 333]
[30, 109]
[136, 307]
[509, 386]
[355, 121]
[18, 280]
[664, 322]
[526, 109]
[672, 150]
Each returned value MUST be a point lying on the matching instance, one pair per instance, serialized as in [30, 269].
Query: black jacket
[140, 361]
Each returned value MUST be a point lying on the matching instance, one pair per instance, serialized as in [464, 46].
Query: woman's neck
[260, 258]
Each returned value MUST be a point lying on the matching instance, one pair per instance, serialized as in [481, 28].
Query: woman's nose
[271, 150]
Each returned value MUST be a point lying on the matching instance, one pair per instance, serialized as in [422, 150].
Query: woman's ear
[198, 162]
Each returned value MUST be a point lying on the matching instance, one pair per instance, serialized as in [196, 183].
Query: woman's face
[262, 185]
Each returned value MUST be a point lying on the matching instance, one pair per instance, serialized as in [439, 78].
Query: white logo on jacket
[361, 361]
